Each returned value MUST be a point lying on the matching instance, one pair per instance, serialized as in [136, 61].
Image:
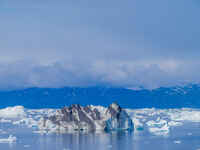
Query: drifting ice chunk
[177, 142]
[174, 123]
[10, 139]
[158, 127]
[118, 119]
[185, 115]
[164, 130]
[5, 121]
[13, 112]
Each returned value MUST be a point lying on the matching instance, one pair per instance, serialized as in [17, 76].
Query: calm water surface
[180, 138]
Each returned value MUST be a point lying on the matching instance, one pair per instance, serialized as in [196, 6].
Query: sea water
[186, 137]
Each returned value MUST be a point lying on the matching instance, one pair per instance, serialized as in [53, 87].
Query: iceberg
[118, 119]
[89, 118]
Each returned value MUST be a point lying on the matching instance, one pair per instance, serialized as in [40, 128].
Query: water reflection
[106, 141]
[95, 141]
[89, 141]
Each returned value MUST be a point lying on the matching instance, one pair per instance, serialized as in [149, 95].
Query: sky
[130, 43]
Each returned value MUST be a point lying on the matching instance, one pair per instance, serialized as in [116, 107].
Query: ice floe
[158, 127]
[10, 139]
[13, 112]
[26, 146]
[177, 142]
[156, 121]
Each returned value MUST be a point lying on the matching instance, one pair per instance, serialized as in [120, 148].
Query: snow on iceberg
[88, 118]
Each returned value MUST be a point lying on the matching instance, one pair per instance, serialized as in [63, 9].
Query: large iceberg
[88, 118]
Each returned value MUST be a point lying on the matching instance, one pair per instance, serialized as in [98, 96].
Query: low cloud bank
[128, 74]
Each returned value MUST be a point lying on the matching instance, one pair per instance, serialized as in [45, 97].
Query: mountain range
[170, 97]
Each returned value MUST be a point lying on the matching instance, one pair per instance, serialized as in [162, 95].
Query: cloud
[128, 44]
[100, 73]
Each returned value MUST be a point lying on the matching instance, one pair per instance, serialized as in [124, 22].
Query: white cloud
[117, 73]
[112, 43]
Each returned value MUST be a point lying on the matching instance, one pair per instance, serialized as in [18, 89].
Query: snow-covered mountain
[172, 97]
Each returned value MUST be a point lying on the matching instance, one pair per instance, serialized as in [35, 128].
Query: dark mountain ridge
[173, 97]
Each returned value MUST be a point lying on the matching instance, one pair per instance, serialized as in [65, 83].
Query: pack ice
[98, 118]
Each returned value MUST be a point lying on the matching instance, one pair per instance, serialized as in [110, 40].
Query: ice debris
[177, 142]
[10, 139]
[156, 121]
